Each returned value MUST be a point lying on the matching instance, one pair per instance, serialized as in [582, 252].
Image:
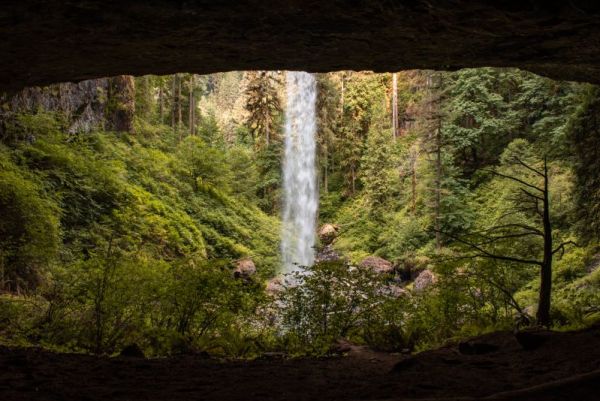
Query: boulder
[377, 265]
[328, 232]
[425, 279]
[244, 268]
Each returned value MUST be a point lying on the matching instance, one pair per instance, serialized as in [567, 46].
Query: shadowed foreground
[541, 366]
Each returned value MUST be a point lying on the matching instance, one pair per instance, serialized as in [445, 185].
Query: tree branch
[526, 192]
[493, 239]
[517, 180]
[518, 225]
[489, 255]
[562, 246]
[528, 166]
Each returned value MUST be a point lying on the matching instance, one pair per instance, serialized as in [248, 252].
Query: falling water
[300, 199]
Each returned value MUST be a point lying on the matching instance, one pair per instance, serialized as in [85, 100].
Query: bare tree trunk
[267, 130]
[342, 94]
[395, 104]
[438, 187]
[160, 101]
[174, 101]
[326, 174]
[192, 106]
[414, 184]
[179, 113]
[543, 312]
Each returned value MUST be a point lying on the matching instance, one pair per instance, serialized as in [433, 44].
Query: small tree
[526, 217]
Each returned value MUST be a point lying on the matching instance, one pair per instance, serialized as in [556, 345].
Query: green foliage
[29, 229]
[115, 231]
[263, 106]
[332, 301]
[111, 239]
[584, 137]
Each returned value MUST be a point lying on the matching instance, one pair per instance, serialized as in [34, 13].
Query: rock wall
[104, 103]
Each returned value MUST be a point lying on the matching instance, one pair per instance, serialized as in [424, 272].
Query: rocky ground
[498, 366]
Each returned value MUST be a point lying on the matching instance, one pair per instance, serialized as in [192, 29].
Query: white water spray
[300, 198]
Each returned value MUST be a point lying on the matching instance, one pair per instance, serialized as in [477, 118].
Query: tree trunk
[267, 130]
[543, 312]
[342, 94]
[174, 102]
[414, 184]
[192, 106]
[395, 104]
[179, 114]
[121, 97]
[438, 187]
[326, 174]
[160, 100]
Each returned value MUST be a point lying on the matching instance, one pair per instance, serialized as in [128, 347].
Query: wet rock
[424, 280]
[377, 265]
[244, 268]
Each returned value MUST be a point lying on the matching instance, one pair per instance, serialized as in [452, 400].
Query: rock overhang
[55, 41]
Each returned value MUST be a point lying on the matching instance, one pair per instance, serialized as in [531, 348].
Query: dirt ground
[541, 366]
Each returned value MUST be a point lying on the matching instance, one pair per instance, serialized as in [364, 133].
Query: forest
[451, 204]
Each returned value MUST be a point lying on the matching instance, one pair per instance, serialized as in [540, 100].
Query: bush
[332, 300]
[29, 230]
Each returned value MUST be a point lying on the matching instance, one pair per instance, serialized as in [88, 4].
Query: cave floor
[558, 366]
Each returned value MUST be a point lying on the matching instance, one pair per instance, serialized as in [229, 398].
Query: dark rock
[406, 364]
[476, 348]
[132, 351]
[531, 340]
[273, 355]
[57, 41]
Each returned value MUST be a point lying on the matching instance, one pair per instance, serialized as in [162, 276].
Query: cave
[55, 41]
[83, 42]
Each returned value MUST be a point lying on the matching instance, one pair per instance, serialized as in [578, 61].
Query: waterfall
[300, 197]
